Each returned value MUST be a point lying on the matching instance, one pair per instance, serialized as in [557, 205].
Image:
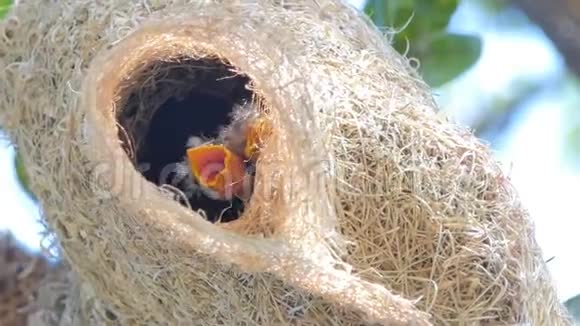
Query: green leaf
[494, 6]
[434, 16]
[387, 13]
[22, 175]
[421, 33]
[573, 306]
[447, 56]
[5, 6]
[429, 16]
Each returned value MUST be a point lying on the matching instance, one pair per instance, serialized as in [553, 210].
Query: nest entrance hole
[167, 102]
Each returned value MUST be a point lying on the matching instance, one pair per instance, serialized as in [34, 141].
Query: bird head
[218, 170]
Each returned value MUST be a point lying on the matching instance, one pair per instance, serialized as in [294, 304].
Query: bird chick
[221, 174]
[223, 168]
[246, 132]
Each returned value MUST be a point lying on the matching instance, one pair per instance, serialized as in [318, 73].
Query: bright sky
[19, 213]
[546, 185]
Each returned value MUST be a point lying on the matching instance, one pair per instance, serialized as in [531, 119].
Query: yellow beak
[218, 169]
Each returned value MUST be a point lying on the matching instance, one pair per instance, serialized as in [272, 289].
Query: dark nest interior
[169, 101]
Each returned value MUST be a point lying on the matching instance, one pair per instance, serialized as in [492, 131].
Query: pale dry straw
[369, 206]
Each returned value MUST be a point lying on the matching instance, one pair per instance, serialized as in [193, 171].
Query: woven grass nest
[368, 208]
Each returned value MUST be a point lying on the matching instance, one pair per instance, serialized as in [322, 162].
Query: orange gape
[255, 135]
[217, 169]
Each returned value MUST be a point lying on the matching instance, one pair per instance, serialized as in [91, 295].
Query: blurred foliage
[573, 306]
[494, 6]
[4, 7]
[22, 175]
[574, 141]
[420, 27]
[572, 118]
[499, 112]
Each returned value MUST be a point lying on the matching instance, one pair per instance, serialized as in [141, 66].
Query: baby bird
[246, 132]
[214, 171]
[219, 171]
[222, 168]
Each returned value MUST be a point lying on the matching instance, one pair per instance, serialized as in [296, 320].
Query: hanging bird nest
[368, 207]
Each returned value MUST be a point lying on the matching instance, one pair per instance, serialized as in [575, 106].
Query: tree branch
[560, 20]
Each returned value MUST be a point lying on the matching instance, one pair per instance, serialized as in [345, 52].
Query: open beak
[217, 169]
[255, 135]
